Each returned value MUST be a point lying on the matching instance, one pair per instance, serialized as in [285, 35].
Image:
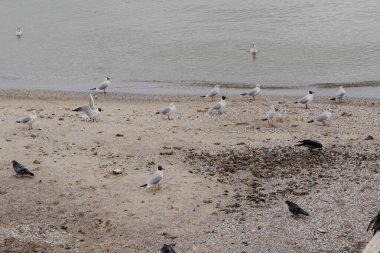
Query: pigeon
[339, 95]
[104, 85]
[212, 93]
[155, 179]
[295, 209]
[90, 110]
[28, 120]
[270, 115]
[253, 92]
[219, 106]
[167, 111]
[253, 49]
[306, 99]
[310, 144]
[375, 224]
[20, 169]
[322, 118]
[167, 249]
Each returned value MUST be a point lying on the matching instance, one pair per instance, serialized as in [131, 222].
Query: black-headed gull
[167, 111]
[340, 94]
[104, 85]
[212, 93]
[253, 92]
[306, 99]
[90, 110]
[155, 180]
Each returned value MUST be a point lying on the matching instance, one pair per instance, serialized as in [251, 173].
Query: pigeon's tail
[18, 121]
[299, 144]
[333, 99]
[157, 112]
[144, 185]
[29, 173]
[243, 94]
[203, 96]
[301, 211]
[310, 121]
[296, 102]
[265, 119]
[93, 89]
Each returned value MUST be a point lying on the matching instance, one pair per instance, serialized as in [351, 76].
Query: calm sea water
[150, 45]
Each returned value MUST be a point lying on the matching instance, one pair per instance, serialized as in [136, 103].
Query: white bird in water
[270, 115]
[253, 92]
[90, 111]
[104, 85]
[28, 120]
[212, 93]
[322, 118]
[306, 99]
[167, 111]
[253, 49]
[340, 94]
[18, 32]
[156, 179]
[219, 106]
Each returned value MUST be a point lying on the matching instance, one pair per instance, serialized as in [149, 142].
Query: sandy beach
[226, 177]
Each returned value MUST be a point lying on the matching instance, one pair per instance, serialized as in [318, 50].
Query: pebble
[117, 171]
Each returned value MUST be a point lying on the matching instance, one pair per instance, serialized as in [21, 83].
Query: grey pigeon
[310, 144]
[167, 249]
[20, 169]
[375, 223]
[295, 209]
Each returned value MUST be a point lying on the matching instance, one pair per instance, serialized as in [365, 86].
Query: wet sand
[226, 177]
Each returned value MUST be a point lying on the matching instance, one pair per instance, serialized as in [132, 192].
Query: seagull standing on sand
[90, 111]
[295, 209]
[212, 93]
[219, 106]
[253, 49]
[339, 95]
[310, 144]
[375, 223]
[155, 179]
[322, 118]
[20, 169]
[306, 99]
[18, 32]
[28, 120]
[254, 92]
[270, 115]
[104, 85]
[167, 111]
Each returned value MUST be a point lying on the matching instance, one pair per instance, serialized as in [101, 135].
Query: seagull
[104, 85]
[155, 179]
[339, 95]
[20, 169]
[253, 92]
[310, 144]
[253, 49]
[219, 106]
[306, 99]
[18, 32]
[167, 249]
[323, 117]
[375, 223]
[212, 93]
[270, 115]
[28, 120]
[90, 111]
[295, 209]
[167, 111]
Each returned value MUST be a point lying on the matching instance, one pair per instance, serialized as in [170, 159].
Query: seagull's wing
[102, 86]
[155, 179]
[165, 110]
[324, 116]
[253, 92]
[304, 100]
[92, 104]
[217, 106]
[26, 119]
[212, 93]
[84, 108]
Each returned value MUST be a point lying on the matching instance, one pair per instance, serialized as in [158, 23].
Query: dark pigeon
[167, 249]
[375, 223]
[20, 169]
[310, 144]
[295, 209]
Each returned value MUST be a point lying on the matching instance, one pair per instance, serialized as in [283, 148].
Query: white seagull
[90, 111]
[28, 120]
[18, 32]
[306, 99]
[253, 92]
[253, 49]
[270, 115]
[219, 106]
[212, 93]
[322, 118]
[104, 85]
[155, 179]
[167, 111]
[340, 94]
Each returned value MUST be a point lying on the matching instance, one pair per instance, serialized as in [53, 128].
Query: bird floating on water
[18, 32]
[253, 49]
